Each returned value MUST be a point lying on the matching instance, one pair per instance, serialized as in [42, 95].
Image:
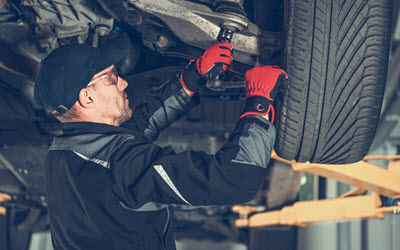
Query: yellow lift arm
[3, 198]
[363, 175]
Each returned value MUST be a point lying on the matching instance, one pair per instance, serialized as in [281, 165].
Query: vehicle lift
[384, 184]
[4, 198]
[351, 205]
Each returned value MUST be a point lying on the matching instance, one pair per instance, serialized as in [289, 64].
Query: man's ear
[86, 98]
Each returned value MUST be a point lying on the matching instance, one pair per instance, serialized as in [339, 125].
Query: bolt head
[162, 41]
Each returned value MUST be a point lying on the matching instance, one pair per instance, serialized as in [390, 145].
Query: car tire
[336, 55]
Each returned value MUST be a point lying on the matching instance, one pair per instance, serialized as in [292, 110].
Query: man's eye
[114, 79]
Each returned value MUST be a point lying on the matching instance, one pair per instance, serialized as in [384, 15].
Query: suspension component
[228, 28]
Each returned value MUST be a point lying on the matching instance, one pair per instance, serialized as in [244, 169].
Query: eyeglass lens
[114, 76]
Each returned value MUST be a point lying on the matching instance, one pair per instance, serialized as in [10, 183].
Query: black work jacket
[111, 188]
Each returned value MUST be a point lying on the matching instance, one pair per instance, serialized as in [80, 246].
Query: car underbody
[165, 35]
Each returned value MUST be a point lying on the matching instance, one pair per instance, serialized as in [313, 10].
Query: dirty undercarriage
[32, 29]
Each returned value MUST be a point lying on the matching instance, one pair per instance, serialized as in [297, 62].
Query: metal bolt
[162, 41]
[102, 31]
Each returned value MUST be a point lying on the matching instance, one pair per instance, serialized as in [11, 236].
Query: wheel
[336, 54]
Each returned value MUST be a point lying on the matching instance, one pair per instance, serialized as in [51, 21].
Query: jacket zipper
[167, 227]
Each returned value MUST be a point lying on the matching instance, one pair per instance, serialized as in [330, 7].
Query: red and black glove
[262, 84]
[215, 61]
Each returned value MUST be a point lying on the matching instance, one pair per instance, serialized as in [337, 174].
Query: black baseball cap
[69, 68]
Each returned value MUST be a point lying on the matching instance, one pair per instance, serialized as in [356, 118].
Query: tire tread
[343, 46]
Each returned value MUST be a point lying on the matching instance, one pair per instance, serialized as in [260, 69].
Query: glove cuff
[191, 79]
[258, 92]
[258, 105]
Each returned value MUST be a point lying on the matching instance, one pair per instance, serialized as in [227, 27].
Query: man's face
[111, 99]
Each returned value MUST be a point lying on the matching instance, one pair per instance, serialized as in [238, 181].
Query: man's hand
[218, 54]
[262, 84]
[216, 60]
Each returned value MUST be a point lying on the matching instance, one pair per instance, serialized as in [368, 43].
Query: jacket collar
[74, 128]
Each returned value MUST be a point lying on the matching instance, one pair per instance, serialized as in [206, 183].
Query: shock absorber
[235, 11]
[233, 8]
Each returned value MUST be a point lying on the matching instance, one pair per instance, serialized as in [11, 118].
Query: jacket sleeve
[231, 176]
[160, 108]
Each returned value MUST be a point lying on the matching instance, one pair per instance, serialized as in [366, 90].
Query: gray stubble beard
[126, 115]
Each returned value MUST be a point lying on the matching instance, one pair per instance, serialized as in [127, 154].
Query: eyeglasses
[112, 75]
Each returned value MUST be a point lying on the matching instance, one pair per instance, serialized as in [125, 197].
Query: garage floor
[42, 241]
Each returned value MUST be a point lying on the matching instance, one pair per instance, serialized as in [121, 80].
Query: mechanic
[110, 187]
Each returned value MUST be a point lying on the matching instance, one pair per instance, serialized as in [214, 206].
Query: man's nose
[122, 84]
